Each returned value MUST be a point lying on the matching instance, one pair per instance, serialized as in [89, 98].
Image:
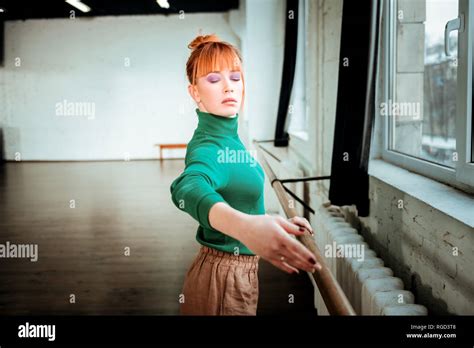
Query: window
[298, 108]
[428, 89]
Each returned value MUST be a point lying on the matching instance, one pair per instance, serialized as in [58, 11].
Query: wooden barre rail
[332, 294]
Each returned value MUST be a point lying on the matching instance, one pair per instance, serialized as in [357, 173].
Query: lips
[229, 100]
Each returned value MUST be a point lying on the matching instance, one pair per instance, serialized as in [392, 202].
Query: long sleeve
[195, 190]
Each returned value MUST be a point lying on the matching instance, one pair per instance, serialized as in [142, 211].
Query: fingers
[297, 262]
[292, 263]
[284, 266]
[292, 228]
[296, 255]
[301, 221]
[299, 256]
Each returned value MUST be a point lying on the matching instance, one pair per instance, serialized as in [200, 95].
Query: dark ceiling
[14, 10]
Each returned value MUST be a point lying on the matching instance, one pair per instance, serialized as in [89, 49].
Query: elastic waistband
[214, 255]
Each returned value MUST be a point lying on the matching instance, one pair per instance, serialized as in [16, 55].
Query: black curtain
[2, 38]
[289, 64]
[355, 104]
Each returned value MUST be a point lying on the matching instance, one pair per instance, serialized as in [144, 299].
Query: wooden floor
[81, 250]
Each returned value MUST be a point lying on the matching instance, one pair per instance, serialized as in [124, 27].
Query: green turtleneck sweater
[218, 168]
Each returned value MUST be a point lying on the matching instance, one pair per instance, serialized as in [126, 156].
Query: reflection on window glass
[424, 85]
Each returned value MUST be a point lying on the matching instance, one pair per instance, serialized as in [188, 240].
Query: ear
[193, 92]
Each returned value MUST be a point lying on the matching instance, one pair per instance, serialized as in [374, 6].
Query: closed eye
[235, 77]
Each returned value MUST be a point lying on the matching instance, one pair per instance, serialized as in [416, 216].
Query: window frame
[464, 131]
[462, 176]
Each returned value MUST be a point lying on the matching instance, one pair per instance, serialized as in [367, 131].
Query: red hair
[209, 54]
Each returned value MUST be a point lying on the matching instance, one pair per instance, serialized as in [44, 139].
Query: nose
[228, 87]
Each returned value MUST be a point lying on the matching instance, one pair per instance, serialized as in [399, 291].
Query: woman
[224, 193]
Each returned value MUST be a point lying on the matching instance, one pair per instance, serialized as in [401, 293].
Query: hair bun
[202, 39]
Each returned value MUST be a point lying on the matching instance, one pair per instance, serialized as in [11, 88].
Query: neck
[217, 125]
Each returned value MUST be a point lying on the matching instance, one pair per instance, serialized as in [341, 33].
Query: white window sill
[452, 202]
[300, 134]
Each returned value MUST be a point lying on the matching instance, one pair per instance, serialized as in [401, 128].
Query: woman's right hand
[269, 237]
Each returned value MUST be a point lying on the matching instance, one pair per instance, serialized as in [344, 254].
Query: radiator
[369, 285]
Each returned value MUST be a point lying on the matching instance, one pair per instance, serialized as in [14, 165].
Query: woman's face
[212, 91]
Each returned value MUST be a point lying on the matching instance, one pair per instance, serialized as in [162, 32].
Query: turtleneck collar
[217, 125]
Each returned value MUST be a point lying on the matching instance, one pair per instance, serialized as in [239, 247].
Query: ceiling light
[79, 5]
[163, 3]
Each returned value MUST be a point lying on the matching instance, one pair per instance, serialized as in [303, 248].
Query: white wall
[262, 50]
[417, 243]
[83, 60]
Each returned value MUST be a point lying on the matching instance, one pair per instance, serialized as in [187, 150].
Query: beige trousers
[220, 283]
